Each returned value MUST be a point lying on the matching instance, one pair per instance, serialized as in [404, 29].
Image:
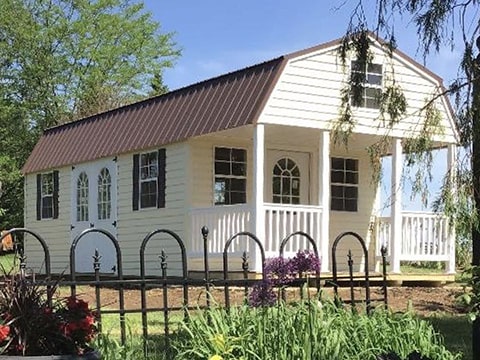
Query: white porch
[425, 236]
[409, 236]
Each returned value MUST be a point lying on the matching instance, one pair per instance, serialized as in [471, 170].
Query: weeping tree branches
[456, 25]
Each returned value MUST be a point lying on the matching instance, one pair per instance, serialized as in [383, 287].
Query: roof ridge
[165, 95]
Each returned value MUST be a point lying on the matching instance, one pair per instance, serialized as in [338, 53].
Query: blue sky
[218, 36]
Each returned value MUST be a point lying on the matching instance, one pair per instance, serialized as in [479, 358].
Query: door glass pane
[286, 182]
[104, 201]
[82, 197]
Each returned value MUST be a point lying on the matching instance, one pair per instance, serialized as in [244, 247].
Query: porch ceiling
[293, 136]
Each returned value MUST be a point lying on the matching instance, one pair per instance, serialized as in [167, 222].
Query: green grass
[457, 333]
[422, 268]
[133, 323]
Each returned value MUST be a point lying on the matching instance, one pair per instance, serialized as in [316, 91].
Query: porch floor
[403, 279]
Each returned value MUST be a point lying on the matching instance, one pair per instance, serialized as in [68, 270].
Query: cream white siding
[308, 94]
[202, 166]
[360, 221]
[133, 226]
[56, 232]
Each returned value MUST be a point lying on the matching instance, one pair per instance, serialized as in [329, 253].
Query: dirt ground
[423, 300]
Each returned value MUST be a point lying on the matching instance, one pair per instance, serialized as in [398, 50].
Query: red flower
[76, 304]
[4, 331]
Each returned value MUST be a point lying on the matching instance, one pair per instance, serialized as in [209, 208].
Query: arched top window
[104, 201]
[82, 197]
[286, 182]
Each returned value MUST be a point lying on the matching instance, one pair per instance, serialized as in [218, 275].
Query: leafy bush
[309, 330]
[31, 323]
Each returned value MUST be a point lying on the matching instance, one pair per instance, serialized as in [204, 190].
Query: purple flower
[305, 262]
[262, 294]
[278, 270]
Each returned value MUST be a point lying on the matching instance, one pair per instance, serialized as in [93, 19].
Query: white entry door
[287, 177]
[94, 205]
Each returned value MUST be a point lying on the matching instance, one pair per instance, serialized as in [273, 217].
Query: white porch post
[258, 227]
[396, 208]
[324, 198]
[452, 168]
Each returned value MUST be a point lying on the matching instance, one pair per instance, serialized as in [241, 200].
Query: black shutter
[161, 178]
[55, 194]
[135, 174]
[39, 196]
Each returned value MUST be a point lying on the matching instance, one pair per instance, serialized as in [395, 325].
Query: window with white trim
[286, 182]
[148, 179]
[230, 176]
[344, 184]
[366, 82]
[82, 197]
[47, 195]
[104, 201]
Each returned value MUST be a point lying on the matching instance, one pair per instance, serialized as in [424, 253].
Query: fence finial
[205, 232]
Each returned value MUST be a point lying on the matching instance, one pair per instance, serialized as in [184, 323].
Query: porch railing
[425, 236]
[280, 221]
[223, 222]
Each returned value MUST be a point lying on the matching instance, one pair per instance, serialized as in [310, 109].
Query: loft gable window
[47, 195]
[344, 184]
[366, 84]
[230, 176]
[149, 180]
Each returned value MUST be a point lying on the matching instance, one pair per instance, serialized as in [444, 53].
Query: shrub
[32, 324]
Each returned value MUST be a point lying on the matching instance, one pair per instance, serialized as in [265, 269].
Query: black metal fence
[186, 285]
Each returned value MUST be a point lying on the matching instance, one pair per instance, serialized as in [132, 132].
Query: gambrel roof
[224, 102]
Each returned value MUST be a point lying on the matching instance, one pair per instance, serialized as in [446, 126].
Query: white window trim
[140, 181]
[367, 85]
[44, 196]
[357, 185]
[291, 178]
[229, 176]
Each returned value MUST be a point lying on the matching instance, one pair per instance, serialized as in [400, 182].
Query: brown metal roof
[221, 103]
[225, 102]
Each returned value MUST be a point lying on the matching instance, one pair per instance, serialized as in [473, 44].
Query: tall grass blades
[306, 331]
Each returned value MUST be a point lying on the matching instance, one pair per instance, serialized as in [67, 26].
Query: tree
[453, 23]
[61, 60]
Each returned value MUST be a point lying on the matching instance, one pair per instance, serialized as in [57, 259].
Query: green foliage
[11, 193]
[308, 330]
[456, 331]
[471, 296]
[65, 59]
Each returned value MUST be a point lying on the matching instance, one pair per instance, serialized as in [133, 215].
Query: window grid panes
[82, 197]
[104, 201]
[47, 195]
[286, 182]
[230, 176]
[148, 179]
[344, 184]
[366, 82]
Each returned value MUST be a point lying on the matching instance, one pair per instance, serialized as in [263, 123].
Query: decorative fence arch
[144, 282]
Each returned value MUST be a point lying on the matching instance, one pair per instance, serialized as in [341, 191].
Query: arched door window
[286, 182]
[82, 197]
[104, 201]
